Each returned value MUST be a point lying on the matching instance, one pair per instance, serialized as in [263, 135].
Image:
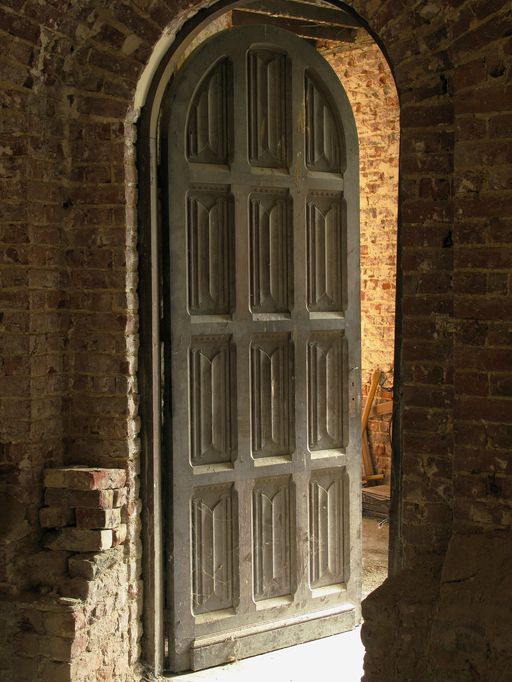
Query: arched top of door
[172, 47]
[269, 50]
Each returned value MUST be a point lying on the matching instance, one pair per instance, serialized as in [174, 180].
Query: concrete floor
[331, 659]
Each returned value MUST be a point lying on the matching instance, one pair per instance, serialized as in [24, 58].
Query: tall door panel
[261, 301]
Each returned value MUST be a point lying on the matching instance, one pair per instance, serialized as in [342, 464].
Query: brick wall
[456, 208]
[68, 301]
[32, 321]
[369, 84]
[85, 636]
[482, 83]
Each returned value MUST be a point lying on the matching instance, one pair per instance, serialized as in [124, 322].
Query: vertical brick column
[483, 266]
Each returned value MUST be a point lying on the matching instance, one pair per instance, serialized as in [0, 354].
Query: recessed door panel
[325, 268]
[271, 252]
[327, 381]
[212, 384]
[273, 530]
[272, 425]
[268, 108]
[328, 526]
[212, 523]
[210, 120]
[323, 135]
[210, 251]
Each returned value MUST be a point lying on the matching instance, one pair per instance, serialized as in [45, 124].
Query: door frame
[165, 59]
[163, 63]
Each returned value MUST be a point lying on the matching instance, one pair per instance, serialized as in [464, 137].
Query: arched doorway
[261, 298]
[376, 221]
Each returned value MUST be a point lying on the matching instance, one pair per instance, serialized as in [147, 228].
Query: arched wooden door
[260, 149]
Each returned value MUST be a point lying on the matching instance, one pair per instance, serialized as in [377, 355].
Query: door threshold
[333, 658]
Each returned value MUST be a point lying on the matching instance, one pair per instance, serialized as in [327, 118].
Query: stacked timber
[376, 501]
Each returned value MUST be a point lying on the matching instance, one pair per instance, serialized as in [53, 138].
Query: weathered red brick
[472, 486]
[421, 396]
[82, 566]
[84, 478]
[488, 308]
[120, 497]
[490, 408]
[500, 125]
[95, 499]
[427, 116]
[97, 518]
[105, 107]
[64, 622]
[480, 459]
[494, 258]
[78, 540]
[484, 153]
[119, 535]
[63, 649]
[54, 671]
[471, 383]
[48, 568]
[424, 419]
[495, 98]
[501, 385]
[56, 517]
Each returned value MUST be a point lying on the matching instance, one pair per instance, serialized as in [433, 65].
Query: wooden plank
[302, 10]
[369, 400]
[376, 501]
[368, 467]
[366, 459]
[302, 28]
[379, 492]
[383, 408]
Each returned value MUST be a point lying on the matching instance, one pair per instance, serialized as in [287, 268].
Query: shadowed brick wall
[69, 301]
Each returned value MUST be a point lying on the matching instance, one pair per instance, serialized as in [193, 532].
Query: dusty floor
[375, 554]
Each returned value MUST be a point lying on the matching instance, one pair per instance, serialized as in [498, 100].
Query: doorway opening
[368, 82]
[365, 76]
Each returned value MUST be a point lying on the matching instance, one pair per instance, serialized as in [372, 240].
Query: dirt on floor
[375, 554]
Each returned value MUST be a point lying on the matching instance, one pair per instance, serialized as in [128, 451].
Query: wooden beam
[368, 465]
[383, 408]
[301, 28]
[301, 10]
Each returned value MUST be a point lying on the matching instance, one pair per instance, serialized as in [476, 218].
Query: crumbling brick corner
[75, 623]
